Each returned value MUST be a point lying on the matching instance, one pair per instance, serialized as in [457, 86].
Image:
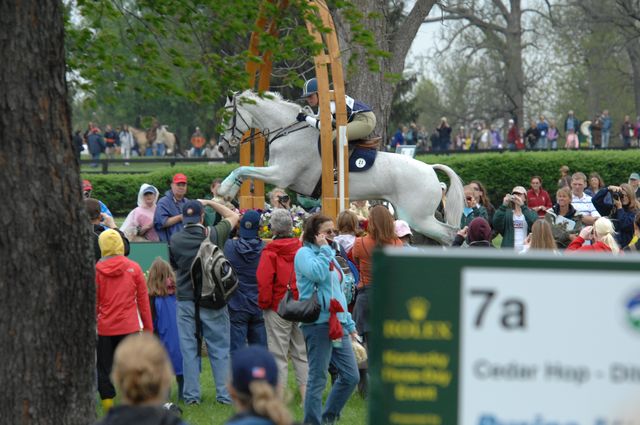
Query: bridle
[269, 135]
[234, 124]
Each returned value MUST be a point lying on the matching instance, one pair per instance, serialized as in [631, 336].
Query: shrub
[500, 172]
[120, 191]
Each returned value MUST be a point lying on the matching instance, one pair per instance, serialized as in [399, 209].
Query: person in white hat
[403, 232]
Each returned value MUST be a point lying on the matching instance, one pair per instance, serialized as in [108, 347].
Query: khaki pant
[360, 127]
[285, 340]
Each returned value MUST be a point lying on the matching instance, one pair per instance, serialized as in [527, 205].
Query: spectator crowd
[248, 344]
[540, 133]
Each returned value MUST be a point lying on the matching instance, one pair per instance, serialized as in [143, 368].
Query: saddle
[362, 155]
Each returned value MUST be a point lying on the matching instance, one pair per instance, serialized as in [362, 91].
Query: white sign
[549, 347]
[408, 150]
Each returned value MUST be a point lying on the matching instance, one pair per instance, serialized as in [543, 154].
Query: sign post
[480, 338]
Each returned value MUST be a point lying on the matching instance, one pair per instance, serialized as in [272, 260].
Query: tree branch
[467, 14]
[402, 39]
[503, 9]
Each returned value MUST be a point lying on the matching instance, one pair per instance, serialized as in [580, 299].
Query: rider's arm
[315, 122]
[226, 213]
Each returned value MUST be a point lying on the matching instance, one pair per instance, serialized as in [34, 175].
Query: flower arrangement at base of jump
[298, 215]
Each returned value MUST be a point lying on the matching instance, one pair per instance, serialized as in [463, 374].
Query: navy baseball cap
[250, 224]
[252, 363]
[191, 212]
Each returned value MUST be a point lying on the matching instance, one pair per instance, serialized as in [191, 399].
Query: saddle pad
[361, 159]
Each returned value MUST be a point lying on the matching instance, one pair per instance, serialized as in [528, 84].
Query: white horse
[411, 186]
[168, 138]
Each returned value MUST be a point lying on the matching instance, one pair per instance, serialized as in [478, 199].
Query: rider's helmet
[310, 87]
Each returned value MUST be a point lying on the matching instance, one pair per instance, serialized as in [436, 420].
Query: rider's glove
[301, 116]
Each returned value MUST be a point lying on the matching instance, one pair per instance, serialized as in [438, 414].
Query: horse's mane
[268, 96]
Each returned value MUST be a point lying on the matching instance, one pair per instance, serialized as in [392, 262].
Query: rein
[267, 134]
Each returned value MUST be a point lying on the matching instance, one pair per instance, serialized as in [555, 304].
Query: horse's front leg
[231, 185]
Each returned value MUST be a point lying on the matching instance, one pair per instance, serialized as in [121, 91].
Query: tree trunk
[514, 71]
[47, 326]
[376, 88]
[633, 50]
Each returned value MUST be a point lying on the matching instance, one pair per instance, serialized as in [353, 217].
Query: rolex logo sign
[417, 327]
[418, 308]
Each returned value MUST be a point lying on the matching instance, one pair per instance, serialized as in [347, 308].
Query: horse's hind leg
[437, 230]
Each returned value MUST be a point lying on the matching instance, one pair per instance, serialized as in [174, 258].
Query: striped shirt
[584, 206]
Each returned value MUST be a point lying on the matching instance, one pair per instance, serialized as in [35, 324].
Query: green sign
[145, 253]
[482, 337]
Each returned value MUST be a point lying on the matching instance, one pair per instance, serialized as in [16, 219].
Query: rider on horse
[360, 118]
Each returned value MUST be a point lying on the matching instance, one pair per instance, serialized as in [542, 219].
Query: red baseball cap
[179, 178]
[86, 185]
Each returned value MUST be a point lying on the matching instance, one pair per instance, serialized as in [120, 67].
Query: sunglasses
[469, 198]
[517, 193]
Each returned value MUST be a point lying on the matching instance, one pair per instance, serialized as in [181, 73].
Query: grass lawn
[138, 167]
[209, 412]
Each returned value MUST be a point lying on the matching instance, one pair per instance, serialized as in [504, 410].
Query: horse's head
[238, 122]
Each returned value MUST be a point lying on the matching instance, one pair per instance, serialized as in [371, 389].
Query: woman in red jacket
[121, 293]
[538, 199]
[274, 274]
[601, 235]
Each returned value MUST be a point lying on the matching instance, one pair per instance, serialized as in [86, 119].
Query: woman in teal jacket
[316, 267]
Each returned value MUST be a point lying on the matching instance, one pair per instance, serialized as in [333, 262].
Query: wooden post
[329, 69]
[262, 73]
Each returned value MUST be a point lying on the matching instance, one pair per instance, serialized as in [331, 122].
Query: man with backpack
[195, 316]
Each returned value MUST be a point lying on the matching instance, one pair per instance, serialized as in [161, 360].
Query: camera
[615, 195]
[283, 199]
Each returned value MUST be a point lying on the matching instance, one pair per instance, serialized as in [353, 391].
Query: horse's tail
[455, 196]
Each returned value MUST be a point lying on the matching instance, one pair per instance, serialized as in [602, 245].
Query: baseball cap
[479, 230]
[191, 212]
[252, 363]
[249, 225]
[179, 178]
[402, 228]
[150, 189]
[634, 176]
[86, 185]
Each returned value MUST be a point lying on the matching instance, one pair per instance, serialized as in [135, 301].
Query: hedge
[499, 172]
[120, 191]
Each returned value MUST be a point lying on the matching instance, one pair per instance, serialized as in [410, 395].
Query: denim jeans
[160, 149]
[215, 330]
[541, 143]
[321, 352]
[606, 135]
[247, 328]
[96, 159]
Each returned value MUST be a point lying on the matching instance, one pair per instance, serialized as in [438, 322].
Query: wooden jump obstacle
[328, 66]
